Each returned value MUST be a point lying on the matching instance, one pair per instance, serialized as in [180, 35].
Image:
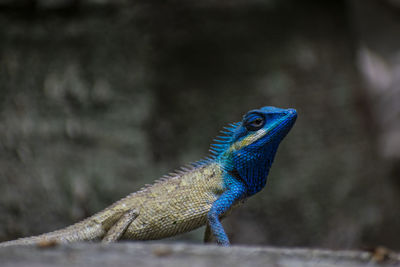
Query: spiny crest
[178, 172]
[221, 144]
[183, 170]
[223, 141]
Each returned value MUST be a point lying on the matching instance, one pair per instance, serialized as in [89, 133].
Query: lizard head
[249, 147]
[262, 128]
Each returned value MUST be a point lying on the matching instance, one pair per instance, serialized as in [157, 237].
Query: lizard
[200, 193]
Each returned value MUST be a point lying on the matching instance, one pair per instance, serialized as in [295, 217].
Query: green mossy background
[99, 98]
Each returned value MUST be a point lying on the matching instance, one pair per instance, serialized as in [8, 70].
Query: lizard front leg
[235, 192]
[119, 228]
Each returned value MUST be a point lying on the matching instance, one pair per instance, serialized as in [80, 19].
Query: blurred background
[99, 97]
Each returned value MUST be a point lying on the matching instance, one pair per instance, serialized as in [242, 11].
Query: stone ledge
[179, 254]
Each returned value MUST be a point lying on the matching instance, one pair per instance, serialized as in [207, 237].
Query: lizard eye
[255, 122]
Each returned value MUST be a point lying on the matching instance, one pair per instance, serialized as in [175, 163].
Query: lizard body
[195, 195]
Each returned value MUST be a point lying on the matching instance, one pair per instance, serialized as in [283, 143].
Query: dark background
[98, 98]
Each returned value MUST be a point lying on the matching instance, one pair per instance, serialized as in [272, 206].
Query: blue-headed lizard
[198, 194]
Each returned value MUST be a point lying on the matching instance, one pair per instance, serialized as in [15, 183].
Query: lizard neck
[251, 169]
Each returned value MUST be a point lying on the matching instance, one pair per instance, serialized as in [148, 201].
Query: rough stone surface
[161, 254]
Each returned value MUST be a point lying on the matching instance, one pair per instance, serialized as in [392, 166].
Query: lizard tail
[87, 229]
[93, 228]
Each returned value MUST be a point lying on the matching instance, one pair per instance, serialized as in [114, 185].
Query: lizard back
[176, 204]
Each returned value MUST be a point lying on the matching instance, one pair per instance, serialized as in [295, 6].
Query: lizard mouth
[283, 125]
[287, 122]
